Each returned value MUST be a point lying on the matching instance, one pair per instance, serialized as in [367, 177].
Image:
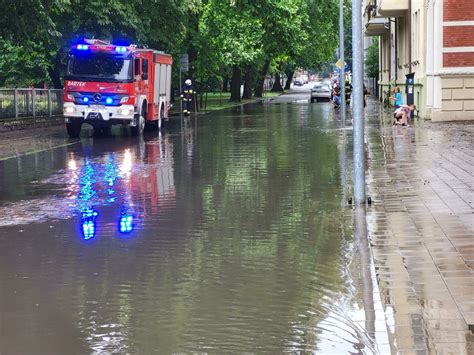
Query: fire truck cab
[107, 84]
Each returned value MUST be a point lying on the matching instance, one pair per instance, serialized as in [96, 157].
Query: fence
[15, 103]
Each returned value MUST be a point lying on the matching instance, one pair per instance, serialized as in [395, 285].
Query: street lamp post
[341, 56]
[358, 103]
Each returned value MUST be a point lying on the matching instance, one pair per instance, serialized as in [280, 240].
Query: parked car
[298, 82]
[327, 82]
[320, 92]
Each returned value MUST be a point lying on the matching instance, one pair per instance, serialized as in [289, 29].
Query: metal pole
[33, 103]
[180, 88]
[341, 56]
[358, 103]
[50, 107]
[15, 99]
[364, 257]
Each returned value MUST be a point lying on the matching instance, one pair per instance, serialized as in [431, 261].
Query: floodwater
[229, 233]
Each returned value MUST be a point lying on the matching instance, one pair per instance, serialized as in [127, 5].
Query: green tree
[233, 38]
[372, 60]
[243, 38]
[347, 32]
[322, 30]
[284, 37]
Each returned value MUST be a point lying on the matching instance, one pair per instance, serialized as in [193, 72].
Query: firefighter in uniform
[187, 96]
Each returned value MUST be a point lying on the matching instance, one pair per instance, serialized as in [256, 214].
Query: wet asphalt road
[226, 233]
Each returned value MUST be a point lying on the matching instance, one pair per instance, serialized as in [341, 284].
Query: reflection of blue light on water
[126, 223]
[110, 175]
[87, 182]
[88, 229]
[88, 223]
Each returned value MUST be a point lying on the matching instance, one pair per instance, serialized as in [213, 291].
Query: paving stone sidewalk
[421, 229]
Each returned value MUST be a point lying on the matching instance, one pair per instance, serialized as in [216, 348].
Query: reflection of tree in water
[268, 212]
[248, 260]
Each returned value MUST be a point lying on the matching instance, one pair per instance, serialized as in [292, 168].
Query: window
[137, 66]
[98, 66]
[145, 66]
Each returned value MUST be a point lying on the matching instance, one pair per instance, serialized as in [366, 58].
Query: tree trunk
[247, 84]
[55, 77]
[225, 84]
[289, 75]
[235, 84]
[277, 84]
[261, 79]
[54, 71]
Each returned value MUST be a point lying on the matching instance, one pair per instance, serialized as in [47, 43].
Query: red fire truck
[107, 84]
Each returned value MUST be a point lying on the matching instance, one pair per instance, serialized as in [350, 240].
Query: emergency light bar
[101, 45]
[85, 47]
[95, 41]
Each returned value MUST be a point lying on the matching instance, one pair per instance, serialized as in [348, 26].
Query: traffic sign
[184, 63]
[339, 65]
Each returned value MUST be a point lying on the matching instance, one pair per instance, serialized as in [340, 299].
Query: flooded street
[228, 233]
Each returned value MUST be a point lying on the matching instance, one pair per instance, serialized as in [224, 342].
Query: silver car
[320, 92]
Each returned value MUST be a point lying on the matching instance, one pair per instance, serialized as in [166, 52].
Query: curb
[8, 125]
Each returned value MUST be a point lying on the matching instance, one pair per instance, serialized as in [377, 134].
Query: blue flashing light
[82, 47]
[109, 100]
[126, 224]
[121, 49]
[88, 223]
[85, 99]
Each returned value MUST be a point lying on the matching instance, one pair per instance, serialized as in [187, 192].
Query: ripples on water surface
[224, 236]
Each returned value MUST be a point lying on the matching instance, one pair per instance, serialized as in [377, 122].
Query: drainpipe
[396, 51]
[409, 36]
[382, 55]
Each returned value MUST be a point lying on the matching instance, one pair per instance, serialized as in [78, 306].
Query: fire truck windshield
[99, 66]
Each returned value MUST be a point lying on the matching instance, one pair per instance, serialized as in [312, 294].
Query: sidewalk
[421, 229]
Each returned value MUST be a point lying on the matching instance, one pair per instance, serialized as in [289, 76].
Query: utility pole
[358, 103]
[342, 75]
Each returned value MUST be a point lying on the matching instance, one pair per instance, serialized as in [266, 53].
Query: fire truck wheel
[138, 129]
[74, 128]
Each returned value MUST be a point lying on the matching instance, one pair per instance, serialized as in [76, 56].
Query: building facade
[432, 43]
